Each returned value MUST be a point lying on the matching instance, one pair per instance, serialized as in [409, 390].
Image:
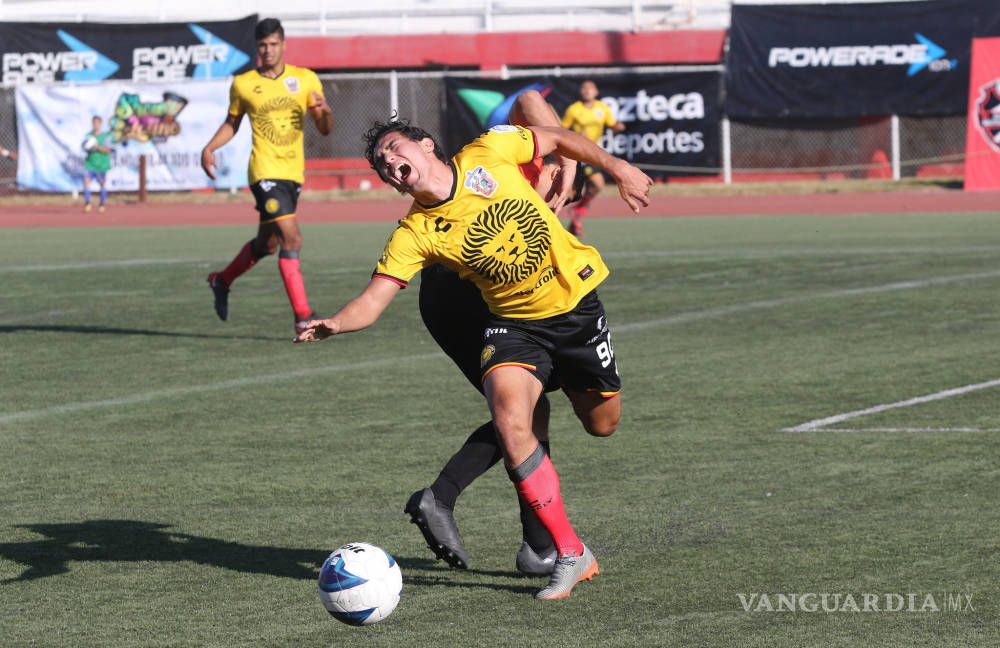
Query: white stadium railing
[337, 17]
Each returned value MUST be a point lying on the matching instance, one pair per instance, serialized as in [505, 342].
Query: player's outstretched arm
[361, 312]
[225, 133]
[531, 109]
[633, 184]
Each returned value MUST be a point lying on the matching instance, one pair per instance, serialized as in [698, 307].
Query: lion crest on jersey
[281, 121]
[507, 242]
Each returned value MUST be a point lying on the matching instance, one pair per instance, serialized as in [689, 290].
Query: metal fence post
[894, 129]
[393, 93]
[727, 152]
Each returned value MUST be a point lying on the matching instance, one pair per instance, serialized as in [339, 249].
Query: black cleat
[437, 523]
[534, 563]
[221, 295]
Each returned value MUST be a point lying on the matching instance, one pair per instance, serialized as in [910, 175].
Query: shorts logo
[586, 272]
[508, 242]
[988, 113]
[267, 185]
[271, 205]
[480, 181]
[494, 331]
[487, 353]
[292, 83]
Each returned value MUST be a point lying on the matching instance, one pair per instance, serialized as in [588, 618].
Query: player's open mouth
[402, 172]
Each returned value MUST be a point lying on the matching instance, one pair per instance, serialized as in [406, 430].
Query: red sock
[537, 483]
[243, 262]
[294, 286]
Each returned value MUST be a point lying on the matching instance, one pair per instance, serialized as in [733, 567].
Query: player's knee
[261, 248]
[602, 428]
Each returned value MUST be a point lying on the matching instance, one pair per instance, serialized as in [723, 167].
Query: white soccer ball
[360, 584]
[89, 143]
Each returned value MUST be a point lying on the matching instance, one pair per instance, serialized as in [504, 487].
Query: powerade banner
[83, 52]
[982, 137]
[670, 120]
[168, 123]
[841, 60]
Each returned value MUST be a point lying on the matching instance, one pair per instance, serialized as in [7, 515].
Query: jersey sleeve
[609, 118]
[515, 144]
[402, 257]
[313, 84]
[235, 100]
[568, 118]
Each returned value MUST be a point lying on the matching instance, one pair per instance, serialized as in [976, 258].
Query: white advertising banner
[168, 123]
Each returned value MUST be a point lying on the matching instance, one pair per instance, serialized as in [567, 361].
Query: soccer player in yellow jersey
[276, 97]
[477, 215]
[589, 116]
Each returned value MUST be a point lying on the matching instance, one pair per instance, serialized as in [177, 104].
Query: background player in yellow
[479, 216]
[276, 97]
[589, 116]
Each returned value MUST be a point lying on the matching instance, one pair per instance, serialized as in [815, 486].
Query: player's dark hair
[579, 180]
[395, 125]
[268, 26]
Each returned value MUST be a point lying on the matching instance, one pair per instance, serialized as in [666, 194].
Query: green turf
[167, 479]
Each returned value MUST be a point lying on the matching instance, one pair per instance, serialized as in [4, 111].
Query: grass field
[172, 480]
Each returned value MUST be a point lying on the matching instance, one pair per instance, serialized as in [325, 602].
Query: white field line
[207, 387]
[743, 253]
[910, 429]
[93, 265]
[680, 318]
[693, 316]
[813, 426]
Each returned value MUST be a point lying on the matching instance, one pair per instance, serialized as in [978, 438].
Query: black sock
[480, 451]
[532, 530]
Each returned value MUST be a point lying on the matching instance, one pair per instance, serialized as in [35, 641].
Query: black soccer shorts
[455, 314]
[276, 199]
[576, 346]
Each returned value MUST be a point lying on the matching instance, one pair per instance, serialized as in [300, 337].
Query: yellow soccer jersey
[589, 122]
[277, 109]
[497, 231]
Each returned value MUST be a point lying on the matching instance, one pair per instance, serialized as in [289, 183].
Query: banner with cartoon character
[671, 120]
[851, 59]
[82, 52]
[169, 124]
[982, 137]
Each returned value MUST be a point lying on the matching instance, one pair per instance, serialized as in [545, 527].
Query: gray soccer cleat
[569, 571]
[532, 563]
[437, 523]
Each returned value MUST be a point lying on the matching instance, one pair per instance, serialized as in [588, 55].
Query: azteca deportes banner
[671, 120]
[169, 124]
[83, 52]
[844, 60]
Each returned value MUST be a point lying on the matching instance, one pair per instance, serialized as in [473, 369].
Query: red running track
[606, 206]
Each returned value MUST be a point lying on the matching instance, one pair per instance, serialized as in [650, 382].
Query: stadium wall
[492, 51]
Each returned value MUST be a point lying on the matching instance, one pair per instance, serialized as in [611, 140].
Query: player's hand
[633, 185]
[563, 183]
[208, 163]
[317, 330]
[318, 103]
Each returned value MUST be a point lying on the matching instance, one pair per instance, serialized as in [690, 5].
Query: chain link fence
[760, 149]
